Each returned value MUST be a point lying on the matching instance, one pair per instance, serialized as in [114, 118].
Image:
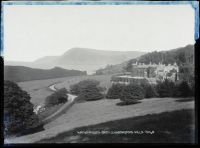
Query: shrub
[166, 88]
[60, 96]
[132, 93]
[90, 93]
[192, 87]
[184, 89]
[18, 110]
[149, 90]
[76, 88]
[114, 91]
[87, 90]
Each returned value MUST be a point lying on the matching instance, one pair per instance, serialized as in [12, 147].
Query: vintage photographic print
[99, 71]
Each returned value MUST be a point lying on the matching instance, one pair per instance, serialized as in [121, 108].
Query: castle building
[149, 72]
[158, 71]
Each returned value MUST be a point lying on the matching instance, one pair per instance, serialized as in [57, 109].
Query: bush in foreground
[18, 110]
[132, 93]
[58, 97]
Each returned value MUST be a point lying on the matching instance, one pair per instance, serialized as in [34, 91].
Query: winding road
[63, 109]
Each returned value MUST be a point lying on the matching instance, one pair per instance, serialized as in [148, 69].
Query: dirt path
[63, 109]
[90, 113]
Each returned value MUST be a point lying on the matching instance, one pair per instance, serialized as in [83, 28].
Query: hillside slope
[81, 59]
[182, 56]
[21, 73]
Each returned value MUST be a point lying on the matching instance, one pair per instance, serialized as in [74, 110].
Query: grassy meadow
[167, 127]
[38, 89]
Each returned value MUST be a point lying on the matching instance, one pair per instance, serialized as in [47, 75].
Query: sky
[32, 32]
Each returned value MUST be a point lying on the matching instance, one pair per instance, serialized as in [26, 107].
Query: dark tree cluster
[149, 90]
[58, 97]
[87, 90]
[181, 56]
[114, 91]
[18, 110]
[171, 89]
[133, 92]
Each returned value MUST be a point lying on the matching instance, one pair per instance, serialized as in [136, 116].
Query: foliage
[192, 88]
[129, 66]
[171, 89]
[166, 88]
[184, 89]
[149, 90]
[18, 110]
[60, 96]
[90, 93]
[87, 90]
[132, 93]
[187, 73]
[76, 88]
[114, 91]
[181, 56]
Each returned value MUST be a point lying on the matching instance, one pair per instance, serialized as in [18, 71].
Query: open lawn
[38, 89]
[185, 99]
[101, 111]
[167, 127]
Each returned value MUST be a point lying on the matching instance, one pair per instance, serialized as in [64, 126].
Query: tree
[132, 93]
[90, 93]
[149, 90]
[166, 88]
[184, 89]
[76, 88]
[18, 110]
[87, 90]
[60, 96]
[114, 91]
[129, 66]
[192, 88]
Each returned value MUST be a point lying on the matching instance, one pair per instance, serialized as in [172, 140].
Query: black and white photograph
[99, 71]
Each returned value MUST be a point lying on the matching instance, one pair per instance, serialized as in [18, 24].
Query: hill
[183, 56]
[81, 59]
[21, 73]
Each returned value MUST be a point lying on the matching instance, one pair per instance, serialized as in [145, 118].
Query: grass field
[38, 89]
[48, 111]
[103, 79]
[102, 111]
[167, 127]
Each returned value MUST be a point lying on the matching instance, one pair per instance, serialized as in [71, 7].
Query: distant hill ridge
[83, 59]
[22, 73]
